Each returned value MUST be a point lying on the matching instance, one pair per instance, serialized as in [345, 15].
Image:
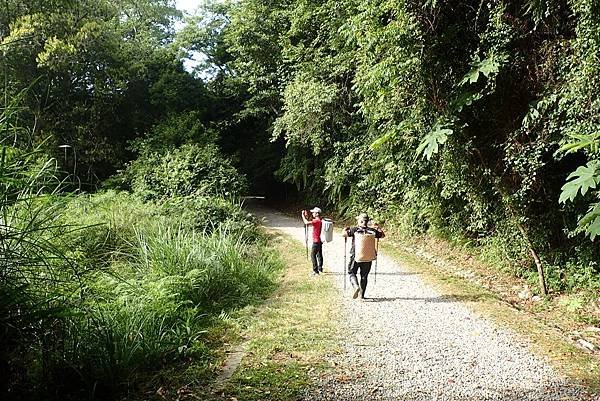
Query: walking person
[368, 252]
[316, 253]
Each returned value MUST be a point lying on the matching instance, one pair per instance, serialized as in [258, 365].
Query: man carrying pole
[362, 252]
[316, 253]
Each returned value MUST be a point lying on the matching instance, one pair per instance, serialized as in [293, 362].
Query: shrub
[188, 170]
[207, 214]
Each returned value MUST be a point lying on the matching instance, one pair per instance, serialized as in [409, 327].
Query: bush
[207, 214]
[189, 170]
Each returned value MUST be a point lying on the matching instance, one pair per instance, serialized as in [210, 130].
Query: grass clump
[136, 288]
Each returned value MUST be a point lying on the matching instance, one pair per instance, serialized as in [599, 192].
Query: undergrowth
[134, 288]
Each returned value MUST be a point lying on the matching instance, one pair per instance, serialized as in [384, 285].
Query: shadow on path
[330, 273]
[442, 299]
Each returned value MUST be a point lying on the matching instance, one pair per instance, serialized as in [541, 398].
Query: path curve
[406, 342]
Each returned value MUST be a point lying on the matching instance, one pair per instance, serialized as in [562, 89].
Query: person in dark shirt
[354, 266]
[316, 254]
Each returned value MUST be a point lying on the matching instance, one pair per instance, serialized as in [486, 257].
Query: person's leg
[351, 264]
[320, 257]
[365, 268]
[352, 270]
[313, 257]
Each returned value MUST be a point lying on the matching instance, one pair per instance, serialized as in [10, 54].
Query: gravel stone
[407, 342]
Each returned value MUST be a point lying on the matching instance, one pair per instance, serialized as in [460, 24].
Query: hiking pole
[376, 259]
[344, 267]
[306, 239]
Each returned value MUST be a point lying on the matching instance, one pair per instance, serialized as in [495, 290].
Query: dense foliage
[448, 117]
[96, 74]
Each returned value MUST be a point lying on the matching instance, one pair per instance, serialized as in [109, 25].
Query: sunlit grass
[288, 336]
[127, 291]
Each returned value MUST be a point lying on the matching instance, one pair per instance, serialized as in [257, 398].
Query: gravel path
[406, 342]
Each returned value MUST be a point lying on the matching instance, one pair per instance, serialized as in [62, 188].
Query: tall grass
[37, 279]
[212, 271]
[136, 288]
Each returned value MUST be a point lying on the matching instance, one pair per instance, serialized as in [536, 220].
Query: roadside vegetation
[287, 338]
[101, 293]
[123, 292]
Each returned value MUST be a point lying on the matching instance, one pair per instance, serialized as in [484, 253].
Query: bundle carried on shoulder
[364, 245]
[327, 231]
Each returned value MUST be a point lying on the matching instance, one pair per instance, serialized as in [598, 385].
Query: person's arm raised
[304, 219]
[380, 233]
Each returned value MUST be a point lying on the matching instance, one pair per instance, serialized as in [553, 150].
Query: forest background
[475, 122]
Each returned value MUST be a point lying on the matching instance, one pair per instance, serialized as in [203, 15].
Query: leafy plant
[487, 67]
[581, 180]
[189, 170]
[432, 141]
[584, 179]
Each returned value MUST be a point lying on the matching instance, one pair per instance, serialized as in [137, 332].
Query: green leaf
[431, 142]
[582, 141]
[486, 67]
[591, 216]
[582, 179]
[590, 223]
[489, 66]
[470, 77]
[594, 229]
[465, 99]
[382, 140]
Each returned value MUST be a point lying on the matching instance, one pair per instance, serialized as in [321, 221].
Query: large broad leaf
[581, 180]
[594, 228]
[471, 76]
[432, 141]
[590, 142]
[591, 221]
[486, 67]
[489, 66]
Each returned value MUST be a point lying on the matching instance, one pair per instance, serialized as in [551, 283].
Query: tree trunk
[534, 255]
[536, 259]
